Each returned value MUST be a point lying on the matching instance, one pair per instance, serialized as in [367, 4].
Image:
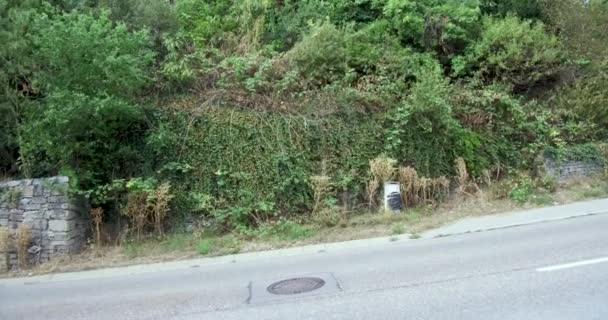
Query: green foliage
[159, 16]
[238, 103]
[258, 165]
[522, 190]
[581, 152]
[445, 26]
[281, 230]
[526, 9]
[207, 22]
[89, 135]
[423, 132]
[515, 51]
[204, 246]
[113, 59]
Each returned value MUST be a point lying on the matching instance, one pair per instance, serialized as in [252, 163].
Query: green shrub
[515, 51]
[445, 26]
[204, 246]
[522, 190]
[109, 60]
[89, 135]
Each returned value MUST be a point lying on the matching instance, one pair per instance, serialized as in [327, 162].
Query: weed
[328, 217]
[23, 244]
[204, 246]
[97, 215]
[160, 205]
[4, 246]
[541, 199]
[371, 187]
[416, 190]
[415, 236]
[10, 197]
[321, 187]
[176, 242]
[523, 190]
[465, 184]
[134, 250]
[382, 168]
[549, 183]
[137, 211]
[398, 229]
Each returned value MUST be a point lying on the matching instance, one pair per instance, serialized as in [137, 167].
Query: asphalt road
[553, 270]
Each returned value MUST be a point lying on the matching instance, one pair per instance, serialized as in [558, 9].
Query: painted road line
[572, 265]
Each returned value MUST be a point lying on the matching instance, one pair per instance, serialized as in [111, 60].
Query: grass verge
[285, 233]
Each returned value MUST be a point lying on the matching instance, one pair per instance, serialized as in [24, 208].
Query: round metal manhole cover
[296, 286]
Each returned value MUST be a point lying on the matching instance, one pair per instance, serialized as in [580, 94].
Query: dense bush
[238, 103]
[514, 51]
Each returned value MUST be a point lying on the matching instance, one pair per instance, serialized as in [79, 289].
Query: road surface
[552, 270]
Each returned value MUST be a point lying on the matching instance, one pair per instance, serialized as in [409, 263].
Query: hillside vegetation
[236, 113]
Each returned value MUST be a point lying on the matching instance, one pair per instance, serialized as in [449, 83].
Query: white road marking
[572, 265]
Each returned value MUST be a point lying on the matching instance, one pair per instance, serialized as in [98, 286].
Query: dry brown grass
[321, 187]
[466, 185]
[371, 188]
[23, 243]
[137, 211]
[97, 215]
[382, 168]
[160, 207]
[417, 190]
[4, 247]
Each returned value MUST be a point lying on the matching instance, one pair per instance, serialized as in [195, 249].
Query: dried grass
[465, 184]
[382, 168]
[371, 188]
[160, 207]
[4, 247]
[321, 187]
[416, 190]
[23, 243]
[97, 215]
[137, 211]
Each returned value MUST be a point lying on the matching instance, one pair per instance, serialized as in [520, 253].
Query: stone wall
[57, 223]
[568, 170]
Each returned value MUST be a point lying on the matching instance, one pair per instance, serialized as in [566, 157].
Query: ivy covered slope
[237, 104]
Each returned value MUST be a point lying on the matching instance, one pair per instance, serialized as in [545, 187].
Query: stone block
[38, 191]
[62, 179]
[11, 184]
[27, 191]
[36, 224]
[3, 222]
[60, 214]
[56, 199]
[33, 215]
[58, 205]
[38, 200]
[31, 206]
[51, 237]
[62, 225]
[58, 192]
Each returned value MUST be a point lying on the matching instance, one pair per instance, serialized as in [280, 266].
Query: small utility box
[392, 196]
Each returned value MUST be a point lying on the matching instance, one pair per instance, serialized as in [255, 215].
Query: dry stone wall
[568, 170]
[57, 222]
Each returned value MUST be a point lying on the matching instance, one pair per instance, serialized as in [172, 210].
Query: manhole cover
[295, 285]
